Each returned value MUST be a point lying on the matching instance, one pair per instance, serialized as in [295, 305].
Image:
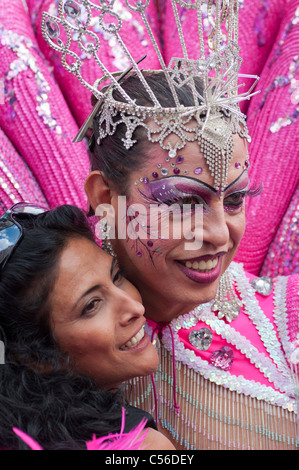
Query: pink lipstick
[196, 271]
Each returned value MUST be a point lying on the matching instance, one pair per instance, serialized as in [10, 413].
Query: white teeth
[202, 265]
[133, 341]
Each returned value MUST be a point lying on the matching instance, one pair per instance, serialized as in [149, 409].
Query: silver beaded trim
[278, 373]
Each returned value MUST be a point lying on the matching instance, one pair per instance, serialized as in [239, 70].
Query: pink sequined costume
[230, 385]
[40, 114]
[34, 114]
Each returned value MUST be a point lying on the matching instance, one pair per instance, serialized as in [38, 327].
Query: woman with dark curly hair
[72, 326]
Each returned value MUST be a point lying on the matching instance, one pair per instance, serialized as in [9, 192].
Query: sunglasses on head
[11, 231]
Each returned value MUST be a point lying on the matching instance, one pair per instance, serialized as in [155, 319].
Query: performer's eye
[234, 201]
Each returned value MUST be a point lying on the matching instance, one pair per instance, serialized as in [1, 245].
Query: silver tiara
[215, 113]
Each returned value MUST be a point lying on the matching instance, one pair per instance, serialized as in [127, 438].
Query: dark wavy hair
[39, 392]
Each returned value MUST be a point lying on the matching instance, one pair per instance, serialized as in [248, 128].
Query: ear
[97, 189]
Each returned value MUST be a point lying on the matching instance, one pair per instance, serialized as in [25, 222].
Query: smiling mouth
[204, 269]
[134, 340]
[202, 266]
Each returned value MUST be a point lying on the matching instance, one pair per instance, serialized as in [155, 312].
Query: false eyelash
[255, 190]
[173, 198]
[151, 199]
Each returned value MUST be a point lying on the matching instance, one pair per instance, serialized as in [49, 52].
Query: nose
[127, 307]
[216, 229]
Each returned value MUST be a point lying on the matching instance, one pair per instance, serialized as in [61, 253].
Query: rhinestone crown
[218, 69]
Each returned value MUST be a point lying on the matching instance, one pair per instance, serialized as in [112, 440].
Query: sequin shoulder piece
[256, 354]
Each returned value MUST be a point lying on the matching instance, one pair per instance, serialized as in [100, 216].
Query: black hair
[39, 392]
[111, 157]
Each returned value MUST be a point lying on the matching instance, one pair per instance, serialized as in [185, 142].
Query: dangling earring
[226, 302]
[103, 233]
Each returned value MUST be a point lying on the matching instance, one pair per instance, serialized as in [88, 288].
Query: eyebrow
[95, 287]
[236, 180]
[112, 266]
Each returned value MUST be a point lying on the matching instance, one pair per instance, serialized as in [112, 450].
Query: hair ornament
[215, 114]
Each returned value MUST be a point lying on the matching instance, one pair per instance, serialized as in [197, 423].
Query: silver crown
[215, 114]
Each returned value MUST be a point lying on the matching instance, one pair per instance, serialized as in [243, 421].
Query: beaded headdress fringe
[217, 68]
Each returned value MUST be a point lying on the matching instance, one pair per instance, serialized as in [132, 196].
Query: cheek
[237, 227]
[84, 339]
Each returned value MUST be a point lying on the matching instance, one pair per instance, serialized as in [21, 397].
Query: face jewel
[227, 309]
[238, 165]
[223, 358]
[164, 171]
[262, 285]
[180, 159]
[72, 9]
[198, 171]
[176, 171]
[172, 153]
[201, 339]
[52, 29]
[155, 174]
[246, 164]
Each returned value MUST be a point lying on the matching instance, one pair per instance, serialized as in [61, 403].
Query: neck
[160, 309]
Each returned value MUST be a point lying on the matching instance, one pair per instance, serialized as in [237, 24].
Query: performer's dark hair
[38, 393]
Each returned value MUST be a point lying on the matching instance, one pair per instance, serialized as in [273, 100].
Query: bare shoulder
[155, 440]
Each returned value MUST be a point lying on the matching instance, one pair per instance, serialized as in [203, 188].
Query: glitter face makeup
[187, 190]
[167, 267]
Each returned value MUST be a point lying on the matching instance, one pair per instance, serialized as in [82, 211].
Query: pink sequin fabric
[252, 353]
[42, 107]
[34, 114]
[230, 385]
[17, 182]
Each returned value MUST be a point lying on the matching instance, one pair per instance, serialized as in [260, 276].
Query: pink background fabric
[269, 40]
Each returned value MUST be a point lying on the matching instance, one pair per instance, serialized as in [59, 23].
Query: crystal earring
[103, 234]
[226, 302]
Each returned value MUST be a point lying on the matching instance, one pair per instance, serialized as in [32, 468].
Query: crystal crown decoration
[217, 68]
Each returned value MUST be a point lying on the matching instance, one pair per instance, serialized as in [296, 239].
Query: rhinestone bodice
[235, 386]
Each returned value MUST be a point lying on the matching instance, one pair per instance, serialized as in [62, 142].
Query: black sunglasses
[11, 231]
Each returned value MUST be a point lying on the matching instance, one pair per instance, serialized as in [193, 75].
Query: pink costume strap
[292, 304]
[159, 328]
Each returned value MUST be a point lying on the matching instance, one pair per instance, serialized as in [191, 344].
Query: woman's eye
[118, 276]
[91, 307]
